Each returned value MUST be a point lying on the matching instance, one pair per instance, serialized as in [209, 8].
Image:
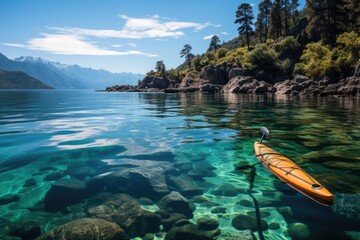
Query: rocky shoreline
[232, 79]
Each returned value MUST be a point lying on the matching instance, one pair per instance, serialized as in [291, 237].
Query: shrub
[263, 63]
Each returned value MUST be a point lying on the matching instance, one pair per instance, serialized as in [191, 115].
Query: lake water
[48, 135]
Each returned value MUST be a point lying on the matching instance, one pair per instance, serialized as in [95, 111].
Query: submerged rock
[127, 213]
[85, 229]
[25, 230]
[139, 178]
[29, 183]
[191, 231]
[9, 198]
[243, 222]
[63, 193]
[207, 223]
[298, 231]
[175, 202]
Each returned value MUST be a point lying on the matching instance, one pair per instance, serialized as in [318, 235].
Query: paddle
[264, 132]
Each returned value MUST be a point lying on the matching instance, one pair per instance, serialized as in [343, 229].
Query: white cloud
[76, 41]
[209, 37]
[71, 45]
[13, 45]
[252, 4]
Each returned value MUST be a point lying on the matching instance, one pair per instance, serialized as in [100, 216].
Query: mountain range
[63, 76]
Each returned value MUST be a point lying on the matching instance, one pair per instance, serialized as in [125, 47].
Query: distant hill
[62, 76]
[89, 77]
[19, 80]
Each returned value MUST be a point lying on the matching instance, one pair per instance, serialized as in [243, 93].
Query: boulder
[154, 82]
[243, 222]
[245, 84]
[185, 185]
[25, 230]
[210, 88]
[216, 74]
[236, 72]
[86, 228]
[140, 178]
[207, 223]
[63, 193]
[9, 198]
[127, 213]
[175, 202]
[298, 231]
[191, 231]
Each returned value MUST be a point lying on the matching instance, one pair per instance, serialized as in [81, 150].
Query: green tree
[214, 43]
[244, 17]
[275, 20]
[327, 19]
[264, 9]
[160, 67]
[285, 10]
[186, 52]
[259, 26]
[294, 4]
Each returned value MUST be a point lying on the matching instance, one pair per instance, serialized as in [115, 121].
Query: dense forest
[320, 40]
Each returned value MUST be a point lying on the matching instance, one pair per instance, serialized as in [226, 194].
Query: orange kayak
[286, 170]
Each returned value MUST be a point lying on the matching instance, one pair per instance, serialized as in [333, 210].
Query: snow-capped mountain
[87, 77]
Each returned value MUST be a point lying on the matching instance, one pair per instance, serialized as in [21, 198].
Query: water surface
[52, 132]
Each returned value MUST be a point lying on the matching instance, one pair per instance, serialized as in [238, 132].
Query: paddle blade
[264, 133]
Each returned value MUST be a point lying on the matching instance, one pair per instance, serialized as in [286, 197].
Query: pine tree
[285, 12]
[326, 18]
[259, 26]
[244, 17]
[275, 19]
[186, 52]
[294, 4]
[214, 43]
[265, 8]
[160, 67]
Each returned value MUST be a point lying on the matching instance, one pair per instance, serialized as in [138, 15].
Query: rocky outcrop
[294, 86]
[86, 228]
[217, 74]
[302, 85]
[154, 82]
[246, 84]
[346, 87]
[236, 72]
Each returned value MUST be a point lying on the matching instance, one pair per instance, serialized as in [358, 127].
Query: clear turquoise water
[43, 132]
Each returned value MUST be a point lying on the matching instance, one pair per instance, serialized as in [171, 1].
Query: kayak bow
[289, 172]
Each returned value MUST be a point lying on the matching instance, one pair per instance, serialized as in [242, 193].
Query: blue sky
[116, 35]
